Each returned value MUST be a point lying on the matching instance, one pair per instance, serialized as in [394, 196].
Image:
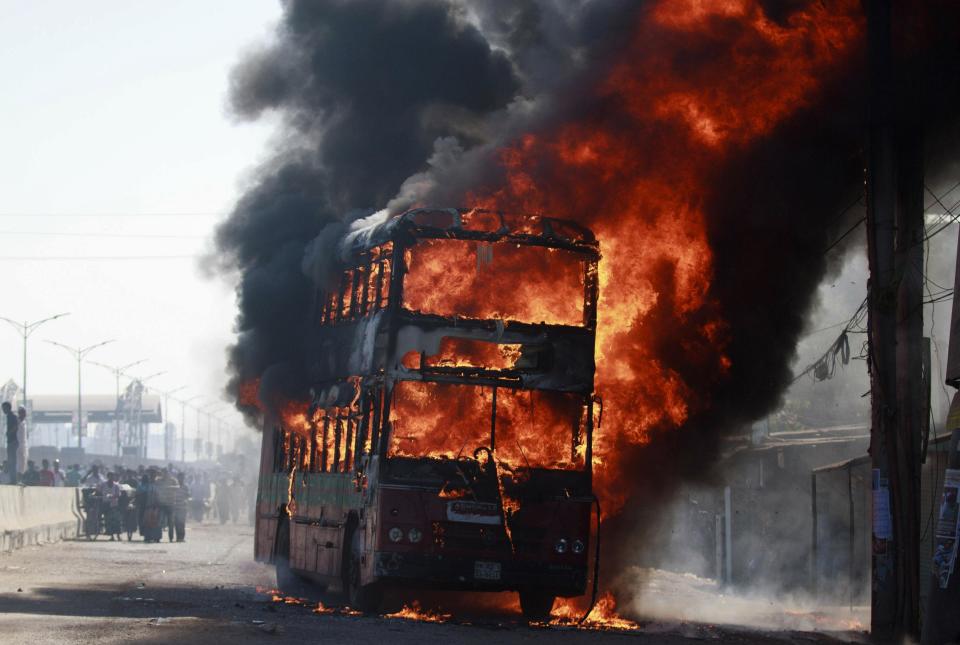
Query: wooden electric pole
[895, 251]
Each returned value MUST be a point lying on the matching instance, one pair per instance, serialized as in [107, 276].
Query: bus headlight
[415, 535]
[560, 546]
[395, 534]
[577, 547]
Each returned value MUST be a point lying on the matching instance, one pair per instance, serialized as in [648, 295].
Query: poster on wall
[945, 547]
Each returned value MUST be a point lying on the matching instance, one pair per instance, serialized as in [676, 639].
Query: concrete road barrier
[36, 515]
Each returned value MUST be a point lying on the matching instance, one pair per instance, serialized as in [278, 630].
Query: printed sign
[882, 521]
[945, 548]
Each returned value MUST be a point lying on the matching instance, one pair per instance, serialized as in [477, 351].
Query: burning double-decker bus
[447, 440]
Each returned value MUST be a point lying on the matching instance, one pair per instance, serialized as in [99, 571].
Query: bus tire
[287, 580]
[536, 605]
[364, 598]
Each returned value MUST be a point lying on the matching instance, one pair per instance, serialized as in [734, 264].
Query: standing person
[221, 497]
[31, 476]
[180, 508]
[150, 518]
[13, 429]
[166, 496]
[46, 477]
[21, 438]
[110, 494]
[236, 499]
[93, 478]
[59, 478]
[73, 475]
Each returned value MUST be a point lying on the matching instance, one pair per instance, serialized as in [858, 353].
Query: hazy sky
[113, 119]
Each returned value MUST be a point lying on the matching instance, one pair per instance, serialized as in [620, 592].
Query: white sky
[118, 107]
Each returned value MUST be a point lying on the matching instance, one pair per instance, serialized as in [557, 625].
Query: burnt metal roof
[471, 224]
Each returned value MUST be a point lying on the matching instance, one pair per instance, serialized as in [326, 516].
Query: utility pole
[895, 253]
[117, 373]
[79, 353]
[903, 446]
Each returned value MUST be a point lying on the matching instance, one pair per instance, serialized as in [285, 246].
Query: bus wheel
[364, 598]
[536, 605]
[287, 580]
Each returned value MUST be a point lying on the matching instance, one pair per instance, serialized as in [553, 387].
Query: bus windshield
[502, 280]
[529, 428]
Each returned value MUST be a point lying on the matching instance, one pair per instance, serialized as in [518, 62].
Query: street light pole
[80, 353]
[117, 373]
[183, 426]
[205, 409]
[210, 417]
[166, 403]
[143, 436]
[25, 329]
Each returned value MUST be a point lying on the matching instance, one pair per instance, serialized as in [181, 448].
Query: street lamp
[142, 435]
[206, 409]
[80, 353]
[183, 426]
[166, 402]
[117, 373]
[25, 329]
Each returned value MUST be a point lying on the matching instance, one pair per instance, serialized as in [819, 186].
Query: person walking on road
[182, 496]
[110, 496]
[13, 429]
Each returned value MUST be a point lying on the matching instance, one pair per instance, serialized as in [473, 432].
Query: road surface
[206, 590]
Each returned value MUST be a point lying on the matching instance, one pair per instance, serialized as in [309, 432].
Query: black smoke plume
[384, 104]
[363, 89]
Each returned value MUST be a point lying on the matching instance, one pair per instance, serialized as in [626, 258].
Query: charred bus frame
[331, 503]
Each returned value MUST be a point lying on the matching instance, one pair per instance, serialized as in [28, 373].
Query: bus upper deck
[451, 360]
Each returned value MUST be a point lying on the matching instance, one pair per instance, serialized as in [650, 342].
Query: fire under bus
[447, 444]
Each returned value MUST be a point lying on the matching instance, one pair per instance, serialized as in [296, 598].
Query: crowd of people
[155, 501]
[147, 500]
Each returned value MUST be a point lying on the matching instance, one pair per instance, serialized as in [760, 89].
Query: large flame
[699, 80]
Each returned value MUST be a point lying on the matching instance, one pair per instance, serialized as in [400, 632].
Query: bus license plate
[486, 570]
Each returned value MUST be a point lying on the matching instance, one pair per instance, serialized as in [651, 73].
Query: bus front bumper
[478, 574]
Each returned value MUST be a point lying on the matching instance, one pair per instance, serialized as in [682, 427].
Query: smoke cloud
[390, 104]
[363, 89]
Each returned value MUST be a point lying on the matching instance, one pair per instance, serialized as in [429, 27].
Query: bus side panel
[263, 537]
[273, 494]
[327, 550]
[298, 545]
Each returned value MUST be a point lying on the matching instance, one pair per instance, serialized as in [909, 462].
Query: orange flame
[602, 616]
[633, 172]
[413, 611]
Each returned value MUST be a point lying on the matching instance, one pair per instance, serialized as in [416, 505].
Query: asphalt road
[206, 590]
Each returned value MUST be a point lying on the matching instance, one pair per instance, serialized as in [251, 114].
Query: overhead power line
[115, 214]
[824, 367]
[95, 258]
[150, 236]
